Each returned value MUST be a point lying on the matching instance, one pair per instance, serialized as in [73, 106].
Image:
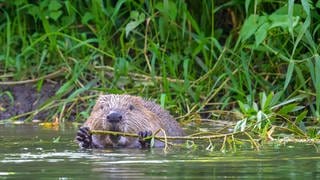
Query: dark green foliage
[187, 53]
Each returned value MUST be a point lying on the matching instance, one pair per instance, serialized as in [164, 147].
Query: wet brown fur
[138, 115]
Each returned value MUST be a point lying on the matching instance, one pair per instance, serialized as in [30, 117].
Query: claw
[145, 143]
[84, 137]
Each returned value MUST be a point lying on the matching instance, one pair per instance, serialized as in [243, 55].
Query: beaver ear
[131, 107]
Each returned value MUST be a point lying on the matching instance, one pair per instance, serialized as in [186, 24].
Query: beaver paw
[84, 137]
[145, 143]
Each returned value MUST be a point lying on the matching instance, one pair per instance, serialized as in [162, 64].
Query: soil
[26, 98]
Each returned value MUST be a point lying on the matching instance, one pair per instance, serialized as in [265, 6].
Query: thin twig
[49, 76]
[252, 141]
[190, 137]
[142, 76]
[145, 51]
[224, 143]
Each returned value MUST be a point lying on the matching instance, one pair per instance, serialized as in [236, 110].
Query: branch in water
[197, 136]
[190, 137]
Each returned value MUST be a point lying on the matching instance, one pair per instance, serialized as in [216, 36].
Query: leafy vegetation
[258, 57]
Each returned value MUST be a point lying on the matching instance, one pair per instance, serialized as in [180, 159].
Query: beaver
[130, 114]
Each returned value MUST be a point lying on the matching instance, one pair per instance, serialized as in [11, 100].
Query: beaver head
[123, 113]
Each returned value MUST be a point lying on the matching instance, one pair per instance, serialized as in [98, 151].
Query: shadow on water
[29, 151]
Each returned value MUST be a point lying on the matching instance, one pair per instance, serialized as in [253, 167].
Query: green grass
[245, 56]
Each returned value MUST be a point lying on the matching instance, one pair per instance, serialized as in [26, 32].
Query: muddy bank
[20, 99]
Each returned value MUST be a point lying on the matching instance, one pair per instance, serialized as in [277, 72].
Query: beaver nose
[114, 117]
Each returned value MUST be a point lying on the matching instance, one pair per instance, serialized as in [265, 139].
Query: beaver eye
[131, 107]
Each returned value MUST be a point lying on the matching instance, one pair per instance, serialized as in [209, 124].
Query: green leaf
[290, 15]
[255, 107]
[300, 76]
[56, 140]
[289, 74]
[263, 99]
[81, 90]
[116, 10]
[69, 7]
[193, 22]
[301, 116]
[241, 125]
[55, 15]
[249, 27]
[65, 87]
[86, 18]
[54, 5]
[297, 98]
[279, 21]
[163, 100]
[134, 15]
[34, 11]
[39, 85]
[247, 5]
[311, 68]
[292, 9]
[290, 108]
[305, 25]
[172, 10]
[186, 73]
[260, 117]
[268, 102]
[242, 107]
[261, 33]
[317, 81]
[275, 99]
[286, 109]
[131, 26]
[121, 66]
[318, 4]
[168, 8]
[135, 23]
[306, 6]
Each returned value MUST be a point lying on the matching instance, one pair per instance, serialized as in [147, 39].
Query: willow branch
[190, 137]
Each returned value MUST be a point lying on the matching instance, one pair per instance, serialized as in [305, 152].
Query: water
[33, 152]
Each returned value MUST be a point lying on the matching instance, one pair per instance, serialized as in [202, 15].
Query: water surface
[33, 152]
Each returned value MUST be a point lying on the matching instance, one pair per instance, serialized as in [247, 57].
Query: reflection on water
[29, 152]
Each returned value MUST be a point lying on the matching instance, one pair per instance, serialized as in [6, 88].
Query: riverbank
[16, 100]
